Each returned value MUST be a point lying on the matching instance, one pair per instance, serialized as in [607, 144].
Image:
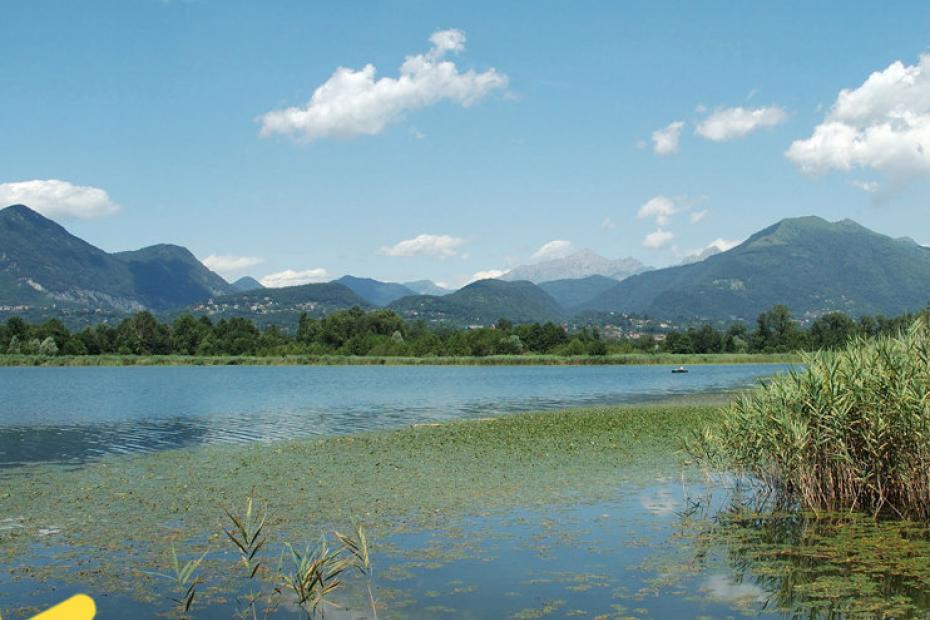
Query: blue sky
[150, 114]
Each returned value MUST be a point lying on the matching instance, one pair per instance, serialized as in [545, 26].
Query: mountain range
[42, 264]
[811, 265]
[580, 264]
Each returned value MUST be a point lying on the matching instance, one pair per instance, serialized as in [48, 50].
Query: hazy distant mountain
[706, 253]
[247, 283]
[581, 264]
[575, 292]
[483, 303]
[42, 265]
[807, 263]
[375, 292]
[426, 287]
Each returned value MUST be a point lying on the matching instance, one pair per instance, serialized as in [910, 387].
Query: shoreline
[626, 359]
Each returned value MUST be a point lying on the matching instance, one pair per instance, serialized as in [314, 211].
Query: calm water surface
[73, 414]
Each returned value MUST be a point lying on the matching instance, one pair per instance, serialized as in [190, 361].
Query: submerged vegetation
[851, 432]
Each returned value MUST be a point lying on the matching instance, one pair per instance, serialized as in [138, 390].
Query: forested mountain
[426, 287]
[282, 306]
[42, 265]
[375, 292]
[247, 283]
[483, 303]
[169, 276]
[573, 293]
[809, 264]
[581, 264]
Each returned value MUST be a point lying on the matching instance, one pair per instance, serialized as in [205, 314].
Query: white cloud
[867, 186]
[661, 208]
[442, 246]
[658, 239]
[697, 216]
[608, 224]
[54, 198]
[557, 248]
[290, 277]
[665, 141]
[722, 244]
[227, 265]
[884, 125]
[353, 103]
[729, 123]
[488, 274]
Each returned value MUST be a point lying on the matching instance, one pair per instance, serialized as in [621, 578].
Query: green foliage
[850, 432]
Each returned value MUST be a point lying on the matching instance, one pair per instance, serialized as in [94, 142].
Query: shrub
[851, 431]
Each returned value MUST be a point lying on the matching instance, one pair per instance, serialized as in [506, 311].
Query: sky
[300, 141]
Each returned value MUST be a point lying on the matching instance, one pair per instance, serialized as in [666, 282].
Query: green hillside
[45, 270]
[575, 292]
[810, 265]
[375, 292]
[483, 303]
[42, 264]
[169, 276]
[282, 306]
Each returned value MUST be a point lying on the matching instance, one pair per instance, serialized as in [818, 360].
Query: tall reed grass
[849, 432]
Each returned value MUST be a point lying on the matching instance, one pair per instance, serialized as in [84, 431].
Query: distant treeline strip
[382, 336]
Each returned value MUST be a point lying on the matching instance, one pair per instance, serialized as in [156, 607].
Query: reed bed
[849, 432]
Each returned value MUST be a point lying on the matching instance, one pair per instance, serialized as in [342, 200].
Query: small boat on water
[680, 370]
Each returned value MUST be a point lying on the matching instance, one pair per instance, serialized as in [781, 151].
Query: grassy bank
[343, 360]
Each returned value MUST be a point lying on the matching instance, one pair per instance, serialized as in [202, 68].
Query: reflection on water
[72, 414]
[828, 566]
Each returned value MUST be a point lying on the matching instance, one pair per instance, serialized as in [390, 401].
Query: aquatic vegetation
[819, 566]
[185, 580]
[851, 432]
[393, 481]
[360, 559]
[247, 534]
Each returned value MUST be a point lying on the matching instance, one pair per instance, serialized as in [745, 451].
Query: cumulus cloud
[665, 141]
[487, 274]
[884, 125]
[608, 224]
[697, 216]
[54, 198]
[227, 265]
[354, 103]
[729, 123]
[658, 239]
[661, 208]
[557, 248]
[441, 246]
[290, 277]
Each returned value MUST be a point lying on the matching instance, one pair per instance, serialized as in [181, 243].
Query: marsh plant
[186, 579]
[309, 576]
[849, 432]
[247, 534]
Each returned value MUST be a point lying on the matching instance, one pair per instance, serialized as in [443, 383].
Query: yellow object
[78, 607]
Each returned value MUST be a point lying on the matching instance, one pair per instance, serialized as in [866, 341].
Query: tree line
[385, 333]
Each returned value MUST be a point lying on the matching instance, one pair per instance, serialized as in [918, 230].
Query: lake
[575, 514]
[75, 414]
